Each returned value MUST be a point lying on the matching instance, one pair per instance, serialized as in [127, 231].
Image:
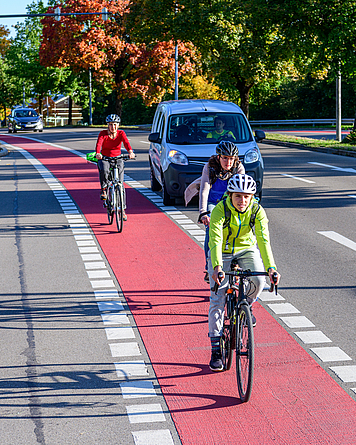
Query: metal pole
[90, 103]
[23, 95]
[338, 107]
[176, 74]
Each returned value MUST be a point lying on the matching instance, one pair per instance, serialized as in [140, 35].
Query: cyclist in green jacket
[231, 236]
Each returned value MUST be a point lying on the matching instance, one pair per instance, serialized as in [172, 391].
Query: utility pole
[90, 100]
[23, 95]
[338, 106]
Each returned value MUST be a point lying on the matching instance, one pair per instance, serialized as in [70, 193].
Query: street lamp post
[90, 100]
[338, 106]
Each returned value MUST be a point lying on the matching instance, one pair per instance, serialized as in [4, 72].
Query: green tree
[237, 47]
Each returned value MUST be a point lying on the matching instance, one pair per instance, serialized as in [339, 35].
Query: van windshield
[208, 128]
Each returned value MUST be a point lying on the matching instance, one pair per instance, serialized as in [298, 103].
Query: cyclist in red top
[109, 145]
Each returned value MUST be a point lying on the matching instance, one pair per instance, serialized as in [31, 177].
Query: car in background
[24, 119]
[184, 137]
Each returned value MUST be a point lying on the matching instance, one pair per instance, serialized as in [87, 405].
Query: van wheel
[167, 200]
[155, 185]
[9, 130]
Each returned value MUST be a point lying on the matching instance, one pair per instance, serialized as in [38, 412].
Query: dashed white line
[145, 413]
[339, 239]
[297, 322]
[124, 349]
[298, 178]
[153, 437]
[313, 337]
[331, 354]
[137, 388]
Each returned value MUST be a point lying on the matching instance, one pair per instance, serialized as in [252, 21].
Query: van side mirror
[154, 137]
[259, 135]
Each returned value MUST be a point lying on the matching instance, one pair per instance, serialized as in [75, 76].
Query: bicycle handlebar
[245, 274]
[122, 156]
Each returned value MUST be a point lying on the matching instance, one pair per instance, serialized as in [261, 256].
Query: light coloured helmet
[113, 118]
[242, 184]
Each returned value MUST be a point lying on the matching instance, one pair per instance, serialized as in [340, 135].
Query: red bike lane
[294, 401]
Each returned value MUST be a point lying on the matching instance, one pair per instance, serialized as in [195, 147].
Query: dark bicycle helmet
[242, 184]
[113, 118]
[227, 148]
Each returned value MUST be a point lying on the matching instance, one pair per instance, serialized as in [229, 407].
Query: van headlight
[251, 156]
[176, 157]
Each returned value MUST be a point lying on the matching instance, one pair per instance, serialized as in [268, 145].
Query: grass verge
[309, 142]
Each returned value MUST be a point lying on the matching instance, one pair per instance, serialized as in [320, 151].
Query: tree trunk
[39, 104]
[5, 118]
[244, 90]
[70, 110]
[118, 105]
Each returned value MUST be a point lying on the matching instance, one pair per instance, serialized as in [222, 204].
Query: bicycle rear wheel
[244, 353]
[119, 208]
[110, 204]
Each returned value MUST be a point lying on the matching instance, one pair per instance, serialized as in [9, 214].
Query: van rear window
[206, 128]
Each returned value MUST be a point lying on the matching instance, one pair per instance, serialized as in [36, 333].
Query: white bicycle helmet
[113, 118]
[242, 184]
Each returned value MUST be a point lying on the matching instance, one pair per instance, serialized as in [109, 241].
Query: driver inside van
[219, 132]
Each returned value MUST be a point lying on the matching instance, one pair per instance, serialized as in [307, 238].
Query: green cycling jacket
[242, 236]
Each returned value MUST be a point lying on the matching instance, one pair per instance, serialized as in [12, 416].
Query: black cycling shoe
[216, 363]
[206, 277]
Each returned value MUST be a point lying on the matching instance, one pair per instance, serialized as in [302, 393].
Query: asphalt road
[310, 199]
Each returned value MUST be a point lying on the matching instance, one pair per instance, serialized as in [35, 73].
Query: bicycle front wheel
[110, 204]
[244, 353]
[227, 343]
[119, 208]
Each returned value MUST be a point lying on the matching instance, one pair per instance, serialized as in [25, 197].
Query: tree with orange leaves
[132, 69]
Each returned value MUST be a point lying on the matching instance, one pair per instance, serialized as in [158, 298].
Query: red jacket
[111, 147]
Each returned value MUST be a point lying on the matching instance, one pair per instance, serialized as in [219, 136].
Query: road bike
[114, 202]
[238, 326]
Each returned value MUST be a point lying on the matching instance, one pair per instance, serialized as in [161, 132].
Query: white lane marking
[145, 142]
[102, 283]
[345, 373]
[91, 249]
[137, 388]
[178, 215]
[298, 178]
[106, 293]
[330, 354]
[94, 264]
[352, 196]
[124, 349]
[145, 413]
[152, 437]
[196, 232]
[109, 319]
[339, 239]
[85, 243]
[110, 306]
[120, 333]
[313, 337]
[91, 257]
[283, 308]
[333, 167]
[190, 226]
[92, 274]
[136, 368]
[270, 296]
[297, 322]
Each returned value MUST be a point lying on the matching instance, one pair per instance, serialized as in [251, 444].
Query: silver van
[184, 136]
